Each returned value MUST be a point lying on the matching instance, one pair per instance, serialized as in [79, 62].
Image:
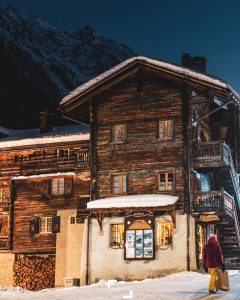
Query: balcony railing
[219, 202]
[212, 152]
[217, 154]
[4, 243]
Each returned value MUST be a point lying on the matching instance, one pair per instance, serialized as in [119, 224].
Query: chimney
[45, 124]
[196, 62]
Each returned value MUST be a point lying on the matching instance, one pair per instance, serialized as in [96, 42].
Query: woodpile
[34, 273]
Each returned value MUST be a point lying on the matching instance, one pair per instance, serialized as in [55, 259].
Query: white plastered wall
[108, 263]
[68, 247]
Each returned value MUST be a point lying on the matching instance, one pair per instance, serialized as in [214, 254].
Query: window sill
[118, 194]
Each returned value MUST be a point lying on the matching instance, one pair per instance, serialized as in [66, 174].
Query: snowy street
[184, 285]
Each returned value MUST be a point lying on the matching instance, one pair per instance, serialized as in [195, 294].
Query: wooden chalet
[44, 177]
[158, 130]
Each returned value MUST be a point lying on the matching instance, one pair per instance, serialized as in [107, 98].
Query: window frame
[115, 243]
[59, 187]
[159, 233]
[128, 222]
[112, 134]
[3, 194]
[165, 136]
[46, 229]
[121, 192]
[166, 190]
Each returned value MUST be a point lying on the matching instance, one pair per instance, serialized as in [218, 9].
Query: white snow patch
[44, 175]
[168, 66]
[148, 200]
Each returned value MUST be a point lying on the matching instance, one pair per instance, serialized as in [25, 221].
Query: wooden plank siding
[143, 155]
[30, 201]
[29, 197]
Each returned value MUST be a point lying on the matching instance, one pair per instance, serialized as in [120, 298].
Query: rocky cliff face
[39, 64]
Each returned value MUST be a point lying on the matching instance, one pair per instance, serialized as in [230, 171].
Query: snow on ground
[184, 285]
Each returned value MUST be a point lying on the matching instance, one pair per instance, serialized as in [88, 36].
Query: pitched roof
[168, 67]
[19, 138]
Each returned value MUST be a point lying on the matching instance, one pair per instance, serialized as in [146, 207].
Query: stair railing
[227, 157]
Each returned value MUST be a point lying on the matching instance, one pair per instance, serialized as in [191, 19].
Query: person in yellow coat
[213, 260]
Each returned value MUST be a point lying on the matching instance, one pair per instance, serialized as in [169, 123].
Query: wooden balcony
[211, 154]
[4, 243]
[76, 161]
[213, 202]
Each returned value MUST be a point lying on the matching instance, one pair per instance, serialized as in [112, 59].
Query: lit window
[165, 129]
[116, 235]
[119, 133]
[164, 233]
[166, 181]
[57, 187]
[45, 224]
[118, 184]
[2, 194]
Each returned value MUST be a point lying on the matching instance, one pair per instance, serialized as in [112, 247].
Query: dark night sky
[162, 29]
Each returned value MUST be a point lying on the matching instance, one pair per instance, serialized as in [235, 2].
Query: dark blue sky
[156, 28]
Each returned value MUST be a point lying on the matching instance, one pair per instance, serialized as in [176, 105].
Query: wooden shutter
[55, 224]
[34, 225]
[68, 183]
[43, 187]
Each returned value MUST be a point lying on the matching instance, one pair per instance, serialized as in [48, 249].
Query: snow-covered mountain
[39, 64]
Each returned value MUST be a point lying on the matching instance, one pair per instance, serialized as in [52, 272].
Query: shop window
[139, 239]
[165, 129]
[117, 235]
[2, 194]
[166, 181]
[118, 184]
[164, 233]
[119, 133]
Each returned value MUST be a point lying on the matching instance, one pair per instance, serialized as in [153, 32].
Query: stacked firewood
[34, 273]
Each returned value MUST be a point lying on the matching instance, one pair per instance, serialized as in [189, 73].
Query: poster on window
[148, 243]
[130, 244]
[139, 243]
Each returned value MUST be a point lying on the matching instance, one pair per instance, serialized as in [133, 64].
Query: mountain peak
[41, 63]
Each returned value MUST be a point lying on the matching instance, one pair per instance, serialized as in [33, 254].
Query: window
[72, 220]
[139, 239]
[2, 194]
[57, 187]
[116, 235]
[119, 133]
[118, 184]
[165, 130]
[164, 233]
[45, 224]
[63, 153]
[166, 181]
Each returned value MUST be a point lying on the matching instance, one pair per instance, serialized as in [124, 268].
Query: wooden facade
[155, 130]
[37, 180]
[129, 109]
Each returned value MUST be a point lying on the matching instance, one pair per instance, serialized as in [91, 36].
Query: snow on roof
[44, 175]
[164, 65]
[150, 200]
[19, 138]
